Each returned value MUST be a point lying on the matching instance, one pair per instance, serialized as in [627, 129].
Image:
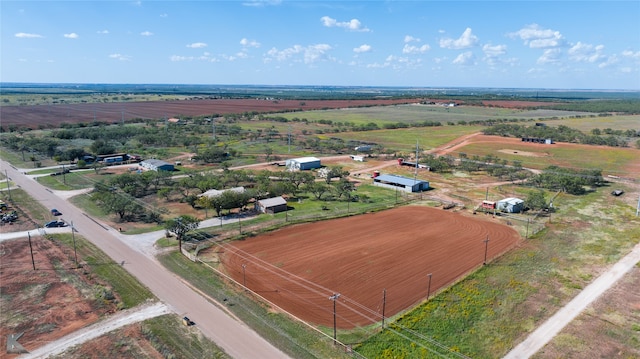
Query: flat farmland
[404, 139]
[53, 115]
[415, 112]
[299, 267]
[611, 160]
[586, 124]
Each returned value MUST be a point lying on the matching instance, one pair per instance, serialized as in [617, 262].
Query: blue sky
[516, 44]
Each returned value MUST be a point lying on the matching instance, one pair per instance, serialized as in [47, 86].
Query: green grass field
[420, 113]
[611, 160]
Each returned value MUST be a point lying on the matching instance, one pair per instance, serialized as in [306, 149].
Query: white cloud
[165, 15]
[586, 52]
[249, 43]
[261, 3]
[146, 33]
[409, 38]
[72, 35]
[496, 50]
[550, 56]
[410, 49]
[103, 32]
[466, 40]
[352, 25]
[362, 49]
[120, 57]
[465, 58]
[492, 53]
[396, 63]
[310, 54]
[24, 35]
[536, 37]
[631, 54]
[197, 45]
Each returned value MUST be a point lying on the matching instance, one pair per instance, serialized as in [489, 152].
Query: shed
[510, 205]
[402, 183]
[157, 165]
[303, 163]
[272, 205]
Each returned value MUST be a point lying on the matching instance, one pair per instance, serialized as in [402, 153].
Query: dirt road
[238, 340]
[549, 329]
[114, 322]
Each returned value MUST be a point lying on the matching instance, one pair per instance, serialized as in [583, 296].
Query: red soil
[54, 115]
[299, 267]
[42, 303]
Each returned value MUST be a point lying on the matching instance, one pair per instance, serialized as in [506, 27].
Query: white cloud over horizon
[465, 41]
[351, 25]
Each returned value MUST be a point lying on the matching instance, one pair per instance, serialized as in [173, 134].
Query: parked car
[54, 224]
[55, 212]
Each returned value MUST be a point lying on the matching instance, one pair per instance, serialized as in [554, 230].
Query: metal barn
[303, 163]
[401, 183]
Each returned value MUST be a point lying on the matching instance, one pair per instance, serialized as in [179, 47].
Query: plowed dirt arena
[300, 267]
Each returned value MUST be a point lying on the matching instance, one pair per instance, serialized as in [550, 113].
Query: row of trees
[559, 134]
[121, 194]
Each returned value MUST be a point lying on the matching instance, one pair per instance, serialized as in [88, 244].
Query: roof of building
[511, 200]
[217, 192]
[156, 162]
[405, 181]
[305, 159]
[272, 202]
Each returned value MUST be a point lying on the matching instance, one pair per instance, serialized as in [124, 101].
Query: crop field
[411, 113]
[300, 266]
[54, 115]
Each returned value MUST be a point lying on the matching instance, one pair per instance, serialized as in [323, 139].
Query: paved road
[238, 340]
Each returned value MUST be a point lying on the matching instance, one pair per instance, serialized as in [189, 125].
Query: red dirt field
[300, 267]
[54, 115]
[45, 304]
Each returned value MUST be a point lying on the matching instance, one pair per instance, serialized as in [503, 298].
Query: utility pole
[429, 286]
[244, 276]
[31, 249]
[8, 187]
[334, 298]
[486, 247]
[73, 236]
[384, 303]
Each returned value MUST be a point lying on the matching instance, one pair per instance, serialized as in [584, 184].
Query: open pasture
[586, 124]
[414, 113]
[617, 161]
[299, 267]
[404, 139]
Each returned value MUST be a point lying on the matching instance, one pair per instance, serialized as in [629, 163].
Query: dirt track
[299, 267]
